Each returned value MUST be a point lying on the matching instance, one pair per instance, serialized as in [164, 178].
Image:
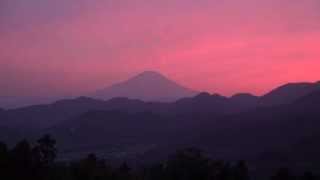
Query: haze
[71, 47]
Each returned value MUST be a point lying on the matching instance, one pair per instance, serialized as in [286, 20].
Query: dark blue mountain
[288, 93]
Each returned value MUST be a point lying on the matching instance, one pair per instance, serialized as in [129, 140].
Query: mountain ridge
[288, 93]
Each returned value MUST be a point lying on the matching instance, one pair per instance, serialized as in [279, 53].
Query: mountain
[11, 102]
[245, 100]
[47, 115]
[203, 104]
[244, 97]
[215, 104]
[227, 128]
[312, 98]
[112, 129]
[286, 135]
[288, 93]
[273, 134]
[147, 86]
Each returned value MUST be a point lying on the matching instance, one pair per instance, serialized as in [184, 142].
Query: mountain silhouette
[245, 100]
[244, 97]
[252, 134]
[12, 102]
[147, 86]
[310, 99]
[288, 93]
[285, 127]
[47, 115]
[203, 104]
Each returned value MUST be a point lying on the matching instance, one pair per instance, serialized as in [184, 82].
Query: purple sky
[69, 47]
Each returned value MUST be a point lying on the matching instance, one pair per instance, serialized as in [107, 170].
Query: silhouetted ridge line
[312, 98]
[288, 93]
[243, 95]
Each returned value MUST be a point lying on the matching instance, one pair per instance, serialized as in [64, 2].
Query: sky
[72, 47]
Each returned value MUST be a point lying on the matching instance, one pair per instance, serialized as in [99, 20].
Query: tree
[154, 172]
[91, 168]
[219, 170]
[240, 171]
[282, 174]
[46, 150]
[308, 176]
[188, 164]
[21, 163]
[225, 173]
[4, 160]
[3, 153]
[124, 172]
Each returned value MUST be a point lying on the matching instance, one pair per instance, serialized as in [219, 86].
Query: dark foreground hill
[288, 93]
[48, 115]
[228, 128]
[280, 134]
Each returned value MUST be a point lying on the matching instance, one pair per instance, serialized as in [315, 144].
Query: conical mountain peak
[149, 75]
[147, 86]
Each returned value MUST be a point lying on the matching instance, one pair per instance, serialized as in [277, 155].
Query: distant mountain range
[281, 126]
[11, 102]
[288, 93]
[47, 115]
[151, 86]
[146, 86]
[259, 134]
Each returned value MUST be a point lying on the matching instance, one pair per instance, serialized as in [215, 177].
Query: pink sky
[58, 47]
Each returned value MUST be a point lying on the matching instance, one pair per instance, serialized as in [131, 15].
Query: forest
[38, 161]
